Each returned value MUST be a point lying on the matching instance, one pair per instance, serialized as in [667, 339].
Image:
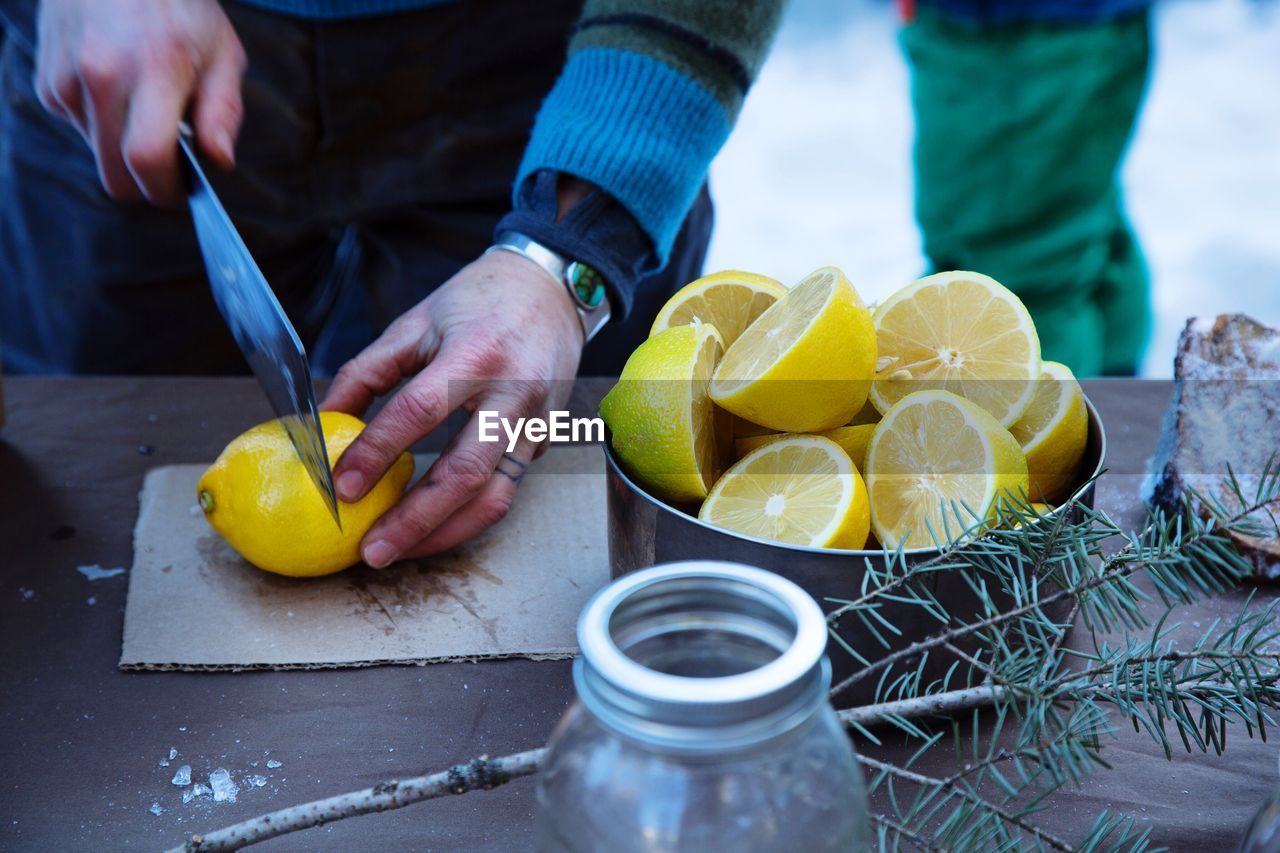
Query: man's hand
[500, 335]
[124, 73]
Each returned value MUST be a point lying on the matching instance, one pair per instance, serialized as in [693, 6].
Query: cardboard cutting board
[516, 591]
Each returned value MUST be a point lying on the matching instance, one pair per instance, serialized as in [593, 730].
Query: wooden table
[80, 741]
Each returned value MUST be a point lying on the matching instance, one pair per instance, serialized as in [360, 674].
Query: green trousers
[1020, 131]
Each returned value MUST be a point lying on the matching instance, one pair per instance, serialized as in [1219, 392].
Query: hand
[124, 73]
[501, 335]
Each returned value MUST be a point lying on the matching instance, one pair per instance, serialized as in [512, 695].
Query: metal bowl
[645, 531]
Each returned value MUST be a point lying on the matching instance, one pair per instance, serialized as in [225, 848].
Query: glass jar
[702, 722]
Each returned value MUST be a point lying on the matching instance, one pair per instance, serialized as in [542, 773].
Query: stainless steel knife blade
[261, 328]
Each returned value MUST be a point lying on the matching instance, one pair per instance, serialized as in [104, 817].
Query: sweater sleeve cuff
[597, 231]
[634, 127]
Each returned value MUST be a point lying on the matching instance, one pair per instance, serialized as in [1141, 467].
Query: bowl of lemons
[803, 431]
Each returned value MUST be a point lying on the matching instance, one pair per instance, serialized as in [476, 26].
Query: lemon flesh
[729, 300]
[798, 489]
[665, 428]
[806, 363]
[936, 467]
[962, 332]
[258, 495]
[1053, 432]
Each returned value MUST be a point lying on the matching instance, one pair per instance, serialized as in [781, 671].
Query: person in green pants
[1024, 109]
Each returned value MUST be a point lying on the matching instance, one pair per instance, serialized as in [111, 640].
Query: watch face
[587, 284]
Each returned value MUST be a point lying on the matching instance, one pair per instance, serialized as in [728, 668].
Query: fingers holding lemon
[258, 495]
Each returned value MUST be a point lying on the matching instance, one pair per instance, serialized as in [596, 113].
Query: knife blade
[258, 323]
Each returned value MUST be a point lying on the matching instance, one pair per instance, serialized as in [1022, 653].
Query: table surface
[80, 741]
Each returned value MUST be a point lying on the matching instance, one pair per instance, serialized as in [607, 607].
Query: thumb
[219, 106]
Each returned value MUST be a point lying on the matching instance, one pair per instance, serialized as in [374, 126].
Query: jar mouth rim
[610, 662]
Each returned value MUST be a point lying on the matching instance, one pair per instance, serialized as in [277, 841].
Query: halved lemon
[962, 332]
[936, 467]
[853, 440]
[666, 430]
[801, 489]
[747, 443]
[806, 364]
[1053, 432]
[729, 300]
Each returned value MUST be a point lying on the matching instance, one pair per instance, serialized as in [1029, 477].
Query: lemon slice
[806, 364]
[936, 467]
[729, 300]
[1053, 432]
[962, 332]
[665, 428]
[800, 489]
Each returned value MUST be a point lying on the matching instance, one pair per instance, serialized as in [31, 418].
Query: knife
[261, 329]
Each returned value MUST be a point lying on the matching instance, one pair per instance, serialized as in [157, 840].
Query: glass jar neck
[702, 658]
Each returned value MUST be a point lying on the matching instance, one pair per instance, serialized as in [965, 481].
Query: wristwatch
[585, 285]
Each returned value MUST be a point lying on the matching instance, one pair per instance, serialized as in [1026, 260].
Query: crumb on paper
[257, 780]
[97, 573]
[156, 809]
[272, 764]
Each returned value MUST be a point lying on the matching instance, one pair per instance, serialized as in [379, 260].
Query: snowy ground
[818, 171]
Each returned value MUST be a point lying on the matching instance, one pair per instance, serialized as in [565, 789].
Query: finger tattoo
[511, 468]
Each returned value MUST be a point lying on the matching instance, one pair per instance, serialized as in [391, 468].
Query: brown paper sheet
[516, 591]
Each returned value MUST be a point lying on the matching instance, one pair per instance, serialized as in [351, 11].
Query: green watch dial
[587, 284]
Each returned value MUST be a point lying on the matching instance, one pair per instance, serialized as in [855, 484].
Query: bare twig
[925, 706]
[481, 773]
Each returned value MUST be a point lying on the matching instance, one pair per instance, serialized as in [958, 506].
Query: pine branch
[888, 825]
[949, 787]
[1133, 557]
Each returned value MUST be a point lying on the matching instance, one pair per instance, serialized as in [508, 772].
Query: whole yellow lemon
[258, 495]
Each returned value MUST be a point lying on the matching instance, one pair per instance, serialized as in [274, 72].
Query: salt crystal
[92, 601]
[183, 776]
[156, 810]
[173, 753]
[164, 762]
[97, 573]
[196, 790]
[27, 594]
[182, 728]
[224, 789]
[272, 764]
[256, 780]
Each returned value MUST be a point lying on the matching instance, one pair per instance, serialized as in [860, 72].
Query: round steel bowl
[644, 531]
